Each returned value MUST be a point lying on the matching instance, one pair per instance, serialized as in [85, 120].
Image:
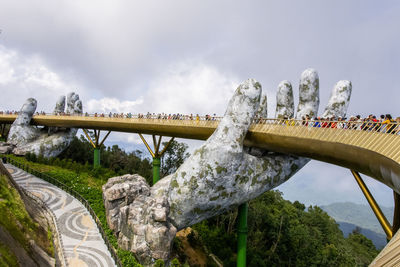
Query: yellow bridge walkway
[369, 151]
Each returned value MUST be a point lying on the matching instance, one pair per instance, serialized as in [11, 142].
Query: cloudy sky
[188, 57]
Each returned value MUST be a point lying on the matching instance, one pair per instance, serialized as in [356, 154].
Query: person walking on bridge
[390, 125]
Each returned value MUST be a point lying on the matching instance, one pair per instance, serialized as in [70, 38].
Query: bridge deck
[374, 153]
[390, 254]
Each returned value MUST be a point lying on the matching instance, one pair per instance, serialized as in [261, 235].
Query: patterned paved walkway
[82, 242]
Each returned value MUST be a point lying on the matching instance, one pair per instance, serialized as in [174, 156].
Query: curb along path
[81, 240]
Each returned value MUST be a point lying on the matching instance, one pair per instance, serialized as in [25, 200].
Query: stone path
[82, 242]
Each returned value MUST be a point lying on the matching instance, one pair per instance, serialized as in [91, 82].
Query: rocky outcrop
[138, 218]
[6, 148]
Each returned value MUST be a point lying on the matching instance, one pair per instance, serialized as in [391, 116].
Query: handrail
[194, 129]
[84, 202]
[366, 125]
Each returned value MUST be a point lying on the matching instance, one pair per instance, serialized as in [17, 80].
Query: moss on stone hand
[174, 184]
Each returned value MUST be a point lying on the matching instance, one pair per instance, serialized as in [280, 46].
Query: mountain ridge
[350, 215]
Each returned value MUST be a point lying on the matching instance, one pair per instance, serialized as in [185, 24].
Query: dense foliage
[120, 162]
[7, 258]
[282, 233]
[173, 157]
[113, 158]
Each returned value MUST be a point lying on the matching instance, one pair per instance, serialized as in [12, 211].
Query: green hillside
[18, 229]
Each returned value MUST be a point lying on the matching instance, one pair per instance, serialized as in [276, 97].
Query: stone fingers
[284, 101]
[339, 100]
[54, 142]
[263, 108]
[21, 132]
[26, 113]
[74, 105]
[238, 116]
[308, 94]
[269, 170]
[60, 105]
[78, 107]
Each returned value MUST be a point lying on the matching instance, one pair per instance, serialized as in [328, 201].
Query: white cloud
[22, 77]
[190, 87]
[106, 105]
[184, 87]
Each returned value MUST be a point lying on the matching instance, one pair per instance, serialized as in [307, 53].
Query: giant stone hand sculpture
[219, 176]
[48, 142]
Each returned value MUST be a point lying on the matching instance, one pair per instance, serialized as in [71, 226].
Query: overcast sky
[189, 56]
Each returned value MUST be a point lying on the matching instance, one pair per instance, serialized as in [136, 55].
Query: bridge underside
[362, 160]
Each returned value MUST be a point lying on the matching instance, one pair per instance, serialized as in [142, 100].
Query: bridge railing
[258, 124]
[323, 123]
[368, 126]
[81, 199]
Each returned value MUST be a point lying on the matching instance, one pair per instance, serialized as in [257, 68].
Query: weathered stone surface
[217, 177]
[6, 148]
[308, 94]
[139, 218]
[339, 101]
[41, 141]
[284, 100]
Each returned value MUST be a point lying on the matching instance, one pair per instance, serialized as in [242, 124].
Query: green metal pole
[242, 235]
[156, 169]
[96, 158]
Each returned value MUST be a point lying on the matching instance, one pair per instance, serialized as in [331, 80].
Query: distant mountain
[357, 214]
[350, 215]
[378, 239]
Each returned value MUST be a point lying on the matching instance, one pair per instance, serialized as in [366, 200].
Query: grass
[16, 220]
[7, 258]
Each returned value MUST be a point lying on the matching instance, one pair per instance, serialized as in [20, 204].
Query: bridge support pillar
[96, 157]
[156, 154]
[242, 235]
[374, 206]
[156, 169]
[94, 141]
[396, 213]
[4, 129]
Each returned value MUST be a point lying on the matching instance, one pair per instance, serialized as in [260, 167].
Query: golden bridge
[362, 147]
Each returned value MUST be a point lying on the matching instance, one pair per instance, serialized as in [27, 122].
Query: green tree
[173, 157]
[282, 233]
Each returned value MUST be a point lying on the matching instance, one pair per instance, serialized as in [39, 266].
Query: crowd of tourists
[9, 112]
[385, 123]
[159, 116]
